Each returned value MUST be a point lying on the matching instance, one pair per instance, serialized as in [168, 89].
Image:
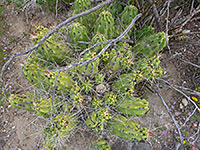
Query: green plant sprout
[102, 90]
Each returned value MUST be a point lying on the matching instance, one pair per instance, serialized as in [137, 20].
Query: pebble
[13, 127]
[181, 106]
[184, 101]
[101, 88]
[186, 31]
[195, 125]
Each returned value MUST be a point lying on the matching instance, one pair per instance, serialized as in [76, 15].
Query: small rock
[195, 125]
[13, 127]
[186, 31]
[184, 101]
[181, 106]
[101, 88]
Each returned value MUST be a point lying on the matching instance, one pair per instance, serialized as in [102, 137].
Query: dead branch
[167, 26]
[190, 17]
[197, 66]
[112, 42]
[186, 90]
[157, 17]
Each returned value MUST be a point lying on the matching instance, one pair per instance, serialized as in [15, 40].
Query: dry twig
[158, 20]
[189, 18]
[112, 42]
[174, 120]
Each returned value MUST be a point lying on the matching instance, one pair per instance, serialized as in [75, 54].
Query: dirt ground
[20, 129]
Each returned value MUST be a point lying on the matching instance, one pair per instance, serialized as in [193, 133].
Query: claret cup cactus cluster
[98, 95]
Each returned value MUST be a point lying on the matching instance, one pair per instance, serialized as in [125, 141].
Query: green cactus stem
[131, 105]
[96, 103]
[114, 8]
[96, 120]
[63, 125]
[64, 81]
[151, 45]
[78, 32]
[67, 107]
[102, 145]
[43, 107]
[105, 25]
[90, 69]
[99, 78]
[94, 123]
[127, 129]
[81, 6]
[24, 101]
[124, 84]
[119, 58]
[144, 32]
[51, 49]
[45, 79]
[75, 95]
[127, 15]
[96, 39]
[110, 98]
[87, 86]
[149, 68]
